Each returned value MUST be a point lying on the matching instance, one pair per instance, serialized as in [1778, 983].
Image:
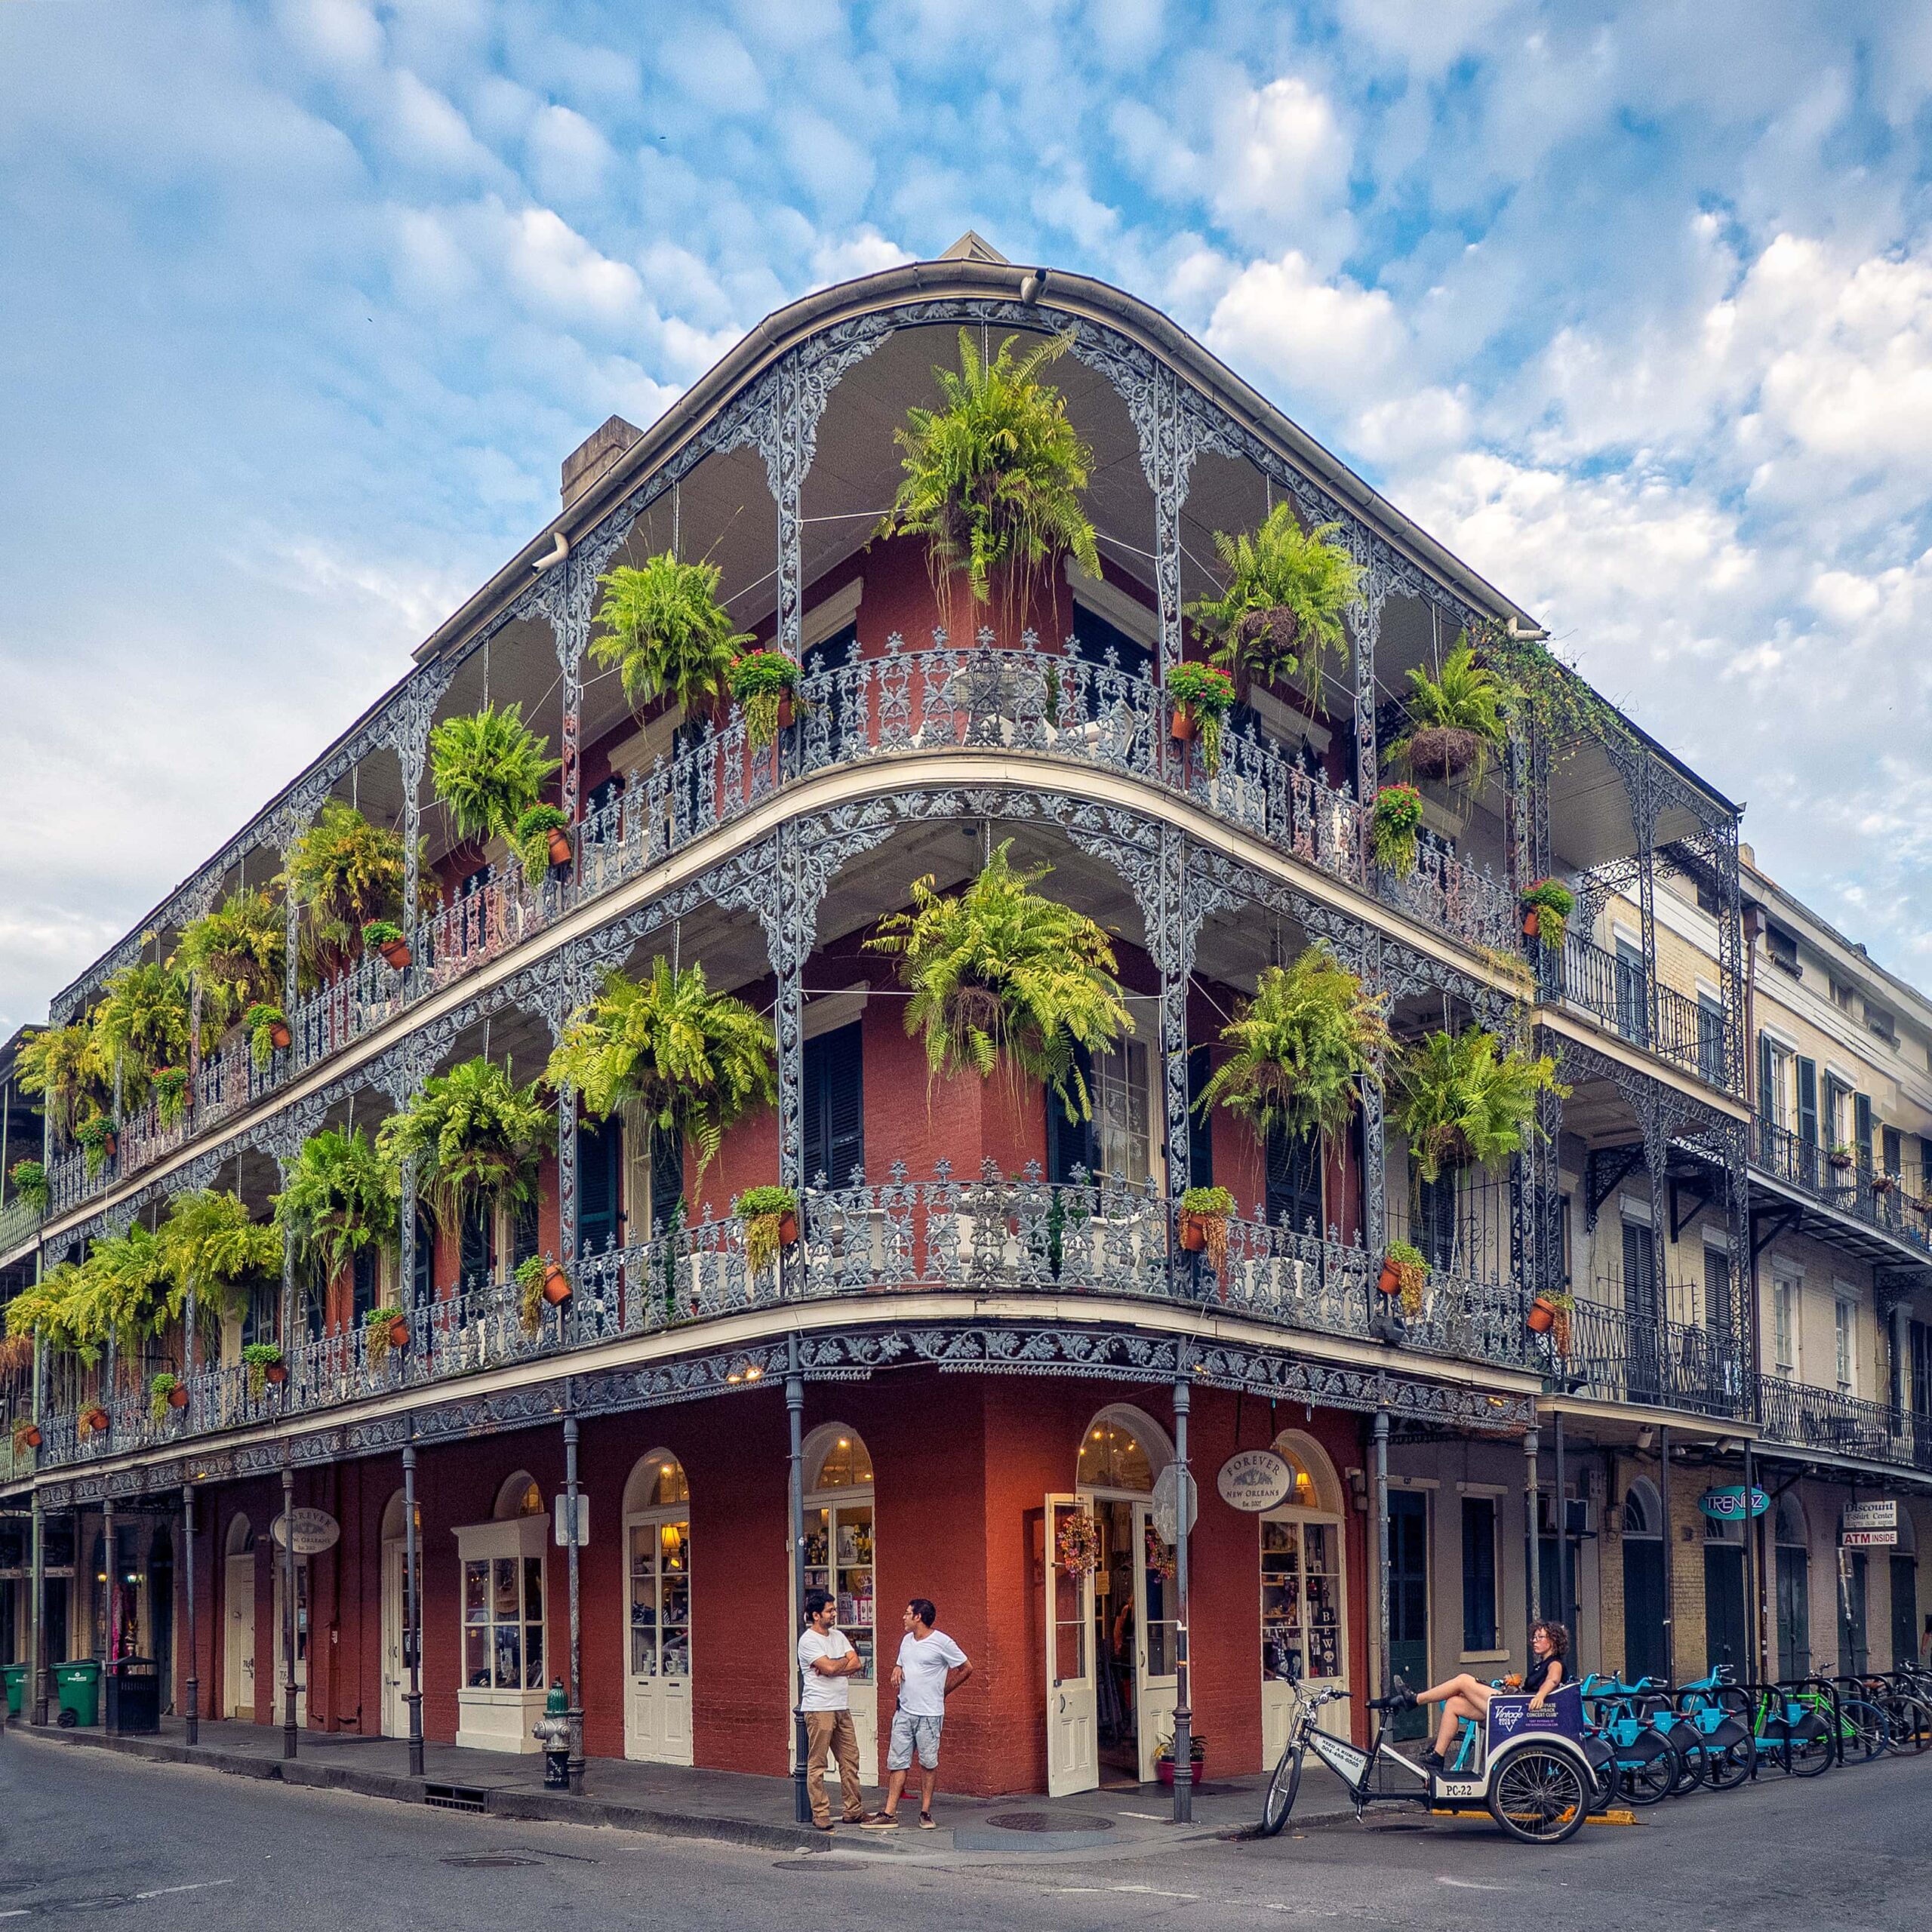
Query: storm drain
[1049, 1821]
[1032, 1830]
[454, 1797]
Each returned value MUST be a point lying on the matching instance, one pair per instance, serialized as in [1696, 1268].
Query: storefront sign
[1870, 1516]
[1255, 1480]
[1868, 1539]
[1727, 1505]
[1166, 1504]
[316, 1530]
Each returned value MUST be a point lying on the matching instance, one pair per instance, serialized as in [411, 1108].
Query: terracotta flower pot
[1181, 729]
[279, 1036]
[1542, 1317]
[95, 1419]
[560, 846]
[398, 1333]
[396, 953]
[1389, 1281]
[28, 1438]
[788, 1229]
[177, 1397]
[109, 1142]
[276, 1372]
[1531, 925]
[1193, 1231]
[556, 1285]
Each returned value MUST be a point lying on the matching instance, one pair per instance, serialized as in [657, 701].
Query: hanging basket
[396, 953]
[1542, 1317]
[94, 1420]
[560, 846]
[556, 1285]
[1276, 628]
[279, 1036]
[277, 1372]
[1443, 752]
[177, 1396]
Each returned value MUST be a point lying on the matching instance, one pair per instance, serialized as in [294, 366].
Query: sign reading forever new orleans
[1255, 1480]
[316, 1530]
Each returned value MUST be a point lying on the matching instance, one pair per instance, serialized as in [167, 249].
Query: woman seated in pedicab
[1462, 1697]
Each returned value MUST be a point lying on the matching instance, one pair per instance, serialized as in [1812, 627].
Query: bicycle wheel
[1539, 1797]
[1911, 1717]
[1728, 1766]
[1863, 1733]
[1690, 1749]
[1650, 1779]
[1279, 1798]
[1806, 1757]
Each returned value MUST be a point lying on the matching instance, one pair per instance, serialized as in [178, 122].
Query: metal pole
[188, 1566]
[287, 1611]
[795, 1416]
[1183, 1712]
[1749, 1665]
[575, 1713]
[1530, 1448]
[1669, 1560]
[412, 1635]
[1562, 1509]
[1382, 1547]
[110, 1595]
[38, 1714]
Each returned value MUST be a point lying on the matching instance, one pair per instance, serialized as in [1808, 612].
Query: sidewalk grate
[455, 1797]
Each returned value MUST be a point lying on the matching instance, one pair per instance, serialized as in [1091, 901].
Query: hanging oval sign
[1727, 1505]
[316, 1530]
[1255, 1480]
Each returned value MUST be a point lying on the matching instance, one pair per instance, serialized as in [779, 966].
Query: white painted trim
[1778, 1037]
[826, 1012]
[1631, 1207]
[1125, 613]
[1491, 1489]
[1717, 1237]
[830, 615]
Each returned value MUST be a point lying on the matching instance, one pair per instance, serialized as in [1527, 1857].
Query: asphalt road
[85, 1834]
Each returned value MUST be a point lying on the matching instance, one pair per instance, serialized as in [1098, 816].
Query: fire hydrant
[552, 1731]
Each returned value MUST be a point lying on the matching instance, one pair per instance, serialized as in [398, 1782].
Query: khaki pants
[831, 1731]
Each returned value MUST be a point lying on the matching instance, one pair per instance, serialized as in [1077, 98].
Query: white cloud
[1280, 154]
[569, 158]
[1332, 340]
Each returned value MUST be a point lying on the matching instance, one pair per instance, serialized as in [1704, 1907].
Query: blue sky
[303, 304]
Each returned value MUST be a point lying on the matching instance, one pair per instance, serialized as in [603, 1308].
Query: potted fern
[1394, 825]
[236, 955]
[1204, 1214]
[1547, 906]
[1550, 1314]
[762, 682]
[1301, 1049]
[170, 1094]
[1841, 1157]
[665, 633]
[994, 479]
[339, 1198]
[1460, 1097]
[1201, 698]
[1002, 977]
[541, 837]
[63, 1065]
[386, 936]
[343, 873]
[97, 1140]
[1404, 1272]
[1455, 719]
[166, 1391]
[770, 1216]
[31, 1188]
[94, 1419]
[489, 769]
[265, 1365]
[143, 1022]
[476, 1138]
[1282, 613]
[268, 1033]
[690, 1061]
[384, 1329]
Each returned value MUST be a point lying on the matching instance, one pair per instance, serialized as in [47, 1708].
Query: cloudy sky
[302, 304]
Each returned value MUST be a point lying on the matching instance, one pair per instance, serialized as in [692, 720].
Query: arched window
[657, 1482]
[839, 1552]
[241, 1537]
[395, 1523]
[1642, 1510]
[836, 1457]
[1316, 1486]
[1123, 1448]
[1791, 1532]
[518, 1497]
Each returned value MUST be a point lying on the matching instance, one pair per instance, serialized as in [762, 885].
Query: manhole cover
[1048, 1821]
[489, 1860]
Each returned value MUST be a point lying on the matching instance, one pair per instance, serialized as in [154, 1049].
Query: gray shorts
[911, 1734]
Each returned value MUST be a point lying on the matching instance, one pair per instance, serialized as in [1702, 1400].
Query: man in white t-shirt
[931, 1666]
[825, 1660]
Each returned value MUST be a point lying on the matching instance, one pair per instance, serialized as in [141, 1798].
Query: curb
[527, 1807]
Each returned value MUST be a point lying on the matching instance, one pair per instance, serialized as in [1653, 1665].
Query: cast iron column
[1383, 1622]
[412, 1635]
[110, 1650]
[1748, 1665]
[1183, 1713]
[38, 1714]
[1562, 1509]
[794, 1416]
[575, 1713]
[1669, 1560]
[1530, 1448]
[287, 1611]
[194, 1687]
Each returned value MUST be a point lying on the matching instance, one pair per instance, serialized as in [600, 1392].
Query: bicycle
[1718, 1710]
[1864, 1731]
[1647, 1765]
[1798, 1725]
[1535, 1780]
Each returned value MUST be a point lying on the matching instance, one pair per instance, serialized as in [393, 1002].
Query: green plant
[63, 1065]
[50, 1308]
[1456, 719]
[1203, 697]
[1287, 592]
[761, 681]
[1207, 1201]
[530, 836]
[476, 1138]
[379, 1327]
[1303, 1047]
[691, 1061]
[31, 1186]
[259, 1357]
[95, 1137]
[210, 1244]
[161, 1395]
[1392, 826]
[142, 1023]
[994, 478]
[342, 873]
[1545, 696]
[119, 1294]
[169, 1084]
[763, 1210]
[664, 631]
[1459, 1096]
[530, 1274]
[338, 1199]
[236, 955]
[1547, 906]
[489, 769]
[1205, 1215]
[378, 933]
[1000, 975]
[262, 1020]
[1407, 1263]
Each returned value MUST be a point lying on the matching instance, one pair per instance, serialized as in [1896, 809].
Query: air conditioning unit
[1582, 1513]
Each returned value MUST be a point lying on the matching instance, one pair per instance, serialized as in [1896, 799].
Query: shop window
[1114, 1456]
[503, 1623]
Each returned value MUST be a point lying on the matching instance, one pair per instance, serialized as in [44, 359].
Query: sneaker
[1433, 1760]
[926, 1822]
[827, 1830]
[879, 1821]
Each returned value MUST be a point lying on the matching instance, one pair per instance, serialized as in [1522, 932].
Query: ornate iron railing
[986, 1234]
[1827, 1419]
[1616, 991]
[1613, 1357]
[1891, 1202]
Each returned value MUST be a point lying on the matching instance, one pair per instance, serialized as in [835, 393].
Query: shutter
[1294, 1181]
[1768, 1092]
[1070, 1143]
[834, 1128]
[523, 1232]
[667, 1179]
[1808, 1102]
[1435, 1224]
[364, 1278]
[1639, 1281]
[423, 1289]
[479, 1246]
[599, 1150]
[1200, 1128]
[1717, 1290]
[1861, 1128]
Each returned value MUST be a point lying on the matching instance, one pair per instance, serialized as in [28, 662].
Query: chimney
[593, 460]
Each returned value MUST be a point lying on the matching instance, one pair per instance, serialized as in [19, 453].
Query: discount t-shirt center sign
[1869, 1526]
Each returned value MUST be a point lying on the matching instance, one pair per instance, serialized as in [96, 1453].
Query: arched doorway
[1793, 1558]
[1110, 1684]
[1304, 1591]
[840, 1557]
[237, 1596]
[1727, 1635]
[500, 1693]
[657, 1539]
[395, 1658]
[1644, 1554]
[1904, 1580]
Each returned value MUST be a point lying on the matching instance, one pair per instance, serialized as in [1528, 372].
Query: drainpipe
[288, 1726]
[795, 1416]
[1562, 1506]
[1383, 1624]
[1183, 1714]
[1669, 1559]
[1529, 1447]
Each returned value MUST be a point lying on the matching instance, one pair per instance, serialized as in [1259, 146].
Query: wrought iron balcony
[1898, 1205]
[1830, 1420]
[1616, 991]
[993, 1234]
[1610, 1356]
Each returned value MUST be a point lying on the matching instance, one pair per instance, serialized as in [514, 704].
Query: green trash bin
[78, 1685]
[17, 1675]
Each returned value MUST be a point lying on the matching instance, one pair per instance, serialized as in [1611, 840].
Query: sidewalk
[734, 1808]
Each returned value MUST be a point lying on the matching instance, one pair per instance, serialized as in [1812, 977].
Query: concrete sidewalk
[734, 1807]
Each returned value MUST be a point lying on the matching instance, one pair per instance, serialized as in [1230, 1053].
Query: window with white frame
[1845, 1344]
[1784, 1327]
[1122, 1109]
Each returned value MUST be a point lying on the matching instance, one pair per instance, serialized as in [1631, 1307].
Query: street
[166, 1846]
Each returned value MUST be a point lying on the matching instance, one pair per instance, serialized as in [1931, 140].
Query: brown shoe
[879, 1821]
[926, 1822]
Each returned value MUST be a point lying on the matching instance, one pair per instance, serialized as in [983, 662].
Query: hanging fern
[1456, 719]
[237, 954]
[666, 632]
[1288, 590]
[339, 1200]
[62, 1065]
[344, 873]
[690, 1061]
[1459, 1096]
[489, 769]
[1002, 976]
[476, 1138]
[209, 1243]
[994, 478]
[51, 1308]
[1302, 1048]
[119, 1294]
[142, 1023]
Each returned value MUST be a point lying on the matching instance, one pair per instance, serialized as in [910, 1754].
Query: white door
[395, 1676]
[237, 1677]
[301, 1638]
[657, 1698]
[1157, 1682]
[1073, 1761]
[1304, 1620]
